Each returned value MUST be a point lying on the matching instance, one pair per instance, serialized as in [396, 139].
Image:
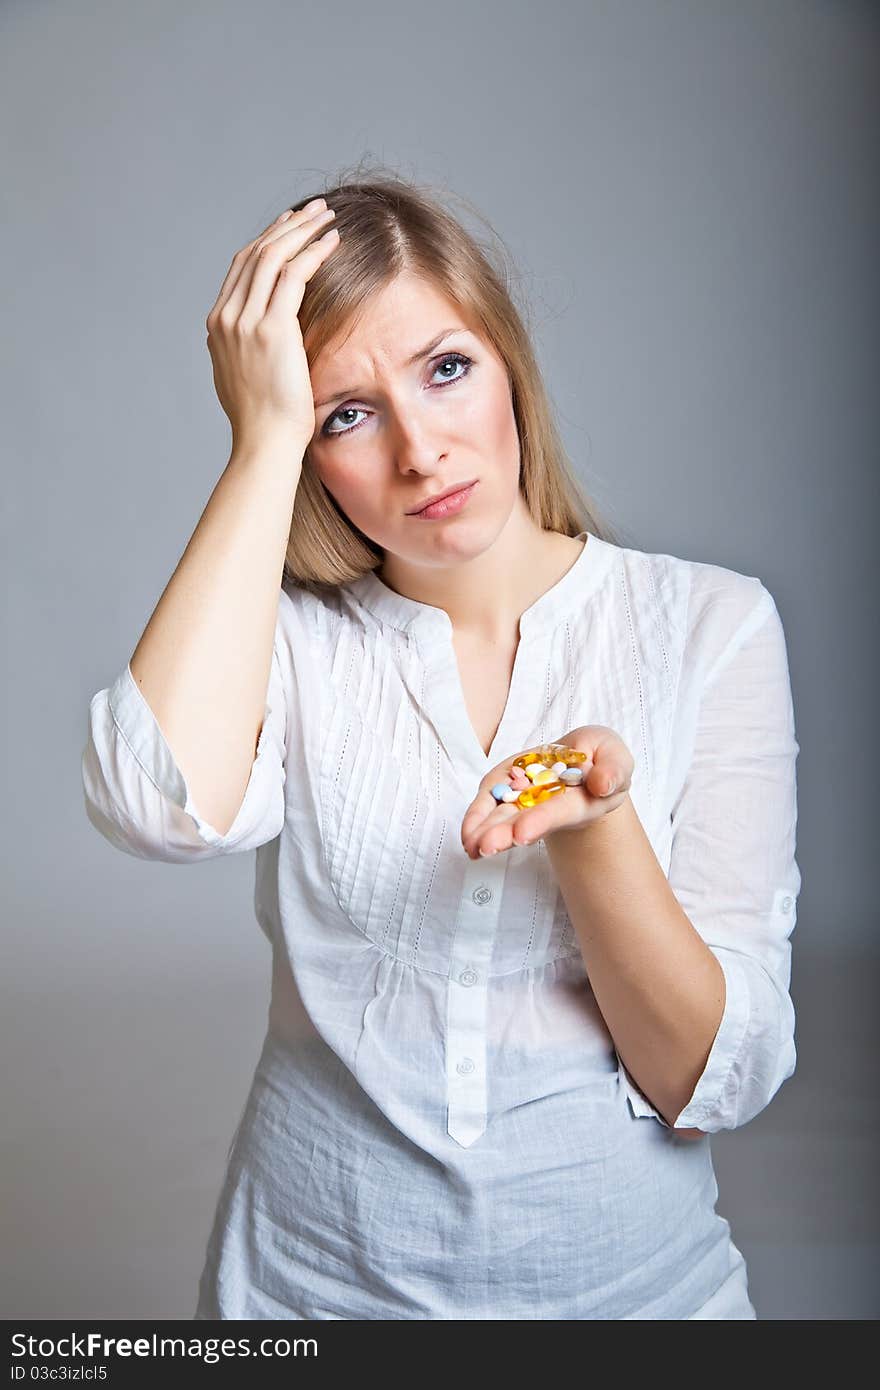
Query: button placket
[467, 995]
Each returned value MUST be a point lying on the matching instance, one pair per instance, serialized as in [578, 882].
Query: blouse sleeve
[733, 868]
[136, 795]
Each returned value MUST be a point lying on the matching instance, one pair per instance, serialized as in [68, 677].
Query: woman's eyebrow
[410, 361]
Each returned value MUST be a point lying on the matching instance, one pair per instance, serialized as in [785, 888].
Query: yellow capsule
[532, 795]
[546, 776]
[572, 756]
[526, 760]
[550, 790]
[548, 754]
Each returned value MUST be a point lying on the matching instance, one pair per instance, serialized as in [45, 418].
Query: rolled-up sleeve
[734, 872]
[136, 794]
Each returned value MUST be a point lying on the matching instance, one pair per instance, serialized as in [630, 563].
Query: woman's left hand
[490, 826]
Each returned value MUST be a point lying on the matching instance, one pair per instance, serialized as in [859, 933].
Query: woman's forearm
[660, 989]
[203, 661]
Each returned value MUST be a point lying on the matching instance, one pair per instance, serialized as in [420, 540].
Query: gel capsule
[549, 754]
[546, 771]
[533, 795]
[526, 759]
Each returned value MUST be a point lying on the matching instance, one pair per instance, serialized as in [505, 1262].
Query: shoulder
[709, 607]
[694, 590]
[308, 614]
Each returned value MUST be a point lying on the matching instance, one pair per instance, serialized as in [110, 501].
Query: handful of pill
[541, 774]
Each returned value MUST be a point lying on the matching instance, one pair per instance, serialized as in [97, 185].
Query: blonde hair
[388, 225]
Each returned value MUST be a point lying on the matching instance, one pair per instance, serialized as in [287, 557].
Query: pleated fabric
[439, 1125]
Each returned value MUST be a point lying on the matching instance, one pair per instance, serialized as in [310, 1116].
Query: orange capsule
[526, 760]
[572, 756]
[548, 755]
[532, 795]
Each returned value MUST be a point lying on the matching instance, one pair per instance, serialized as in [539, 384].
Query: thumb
[603, 779]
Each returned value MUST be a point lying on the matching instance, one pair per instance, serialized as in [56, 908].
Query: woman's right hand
[261, 373]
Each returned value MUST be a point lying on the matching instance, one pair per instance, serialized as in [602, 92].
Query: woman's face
[391, 432]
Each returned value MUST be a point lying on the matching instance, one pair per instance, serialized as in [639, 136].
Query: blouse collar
[572, 590]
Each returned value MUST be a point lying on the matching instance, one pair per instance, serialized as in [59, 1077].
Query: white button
[786, 904]
[468, 977]
[465, 1066]
[482, 894]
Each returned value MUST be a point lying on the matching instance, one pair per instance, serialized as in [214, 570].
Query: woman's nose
[414, 442]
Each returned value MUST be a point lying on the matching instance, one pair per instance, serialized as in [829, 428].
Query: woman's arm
[656, 946]
[659, 987]
[203, 661]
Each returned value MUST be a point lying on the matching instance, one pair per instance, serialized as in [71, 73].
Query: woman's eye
[452, 359]
[455, 359]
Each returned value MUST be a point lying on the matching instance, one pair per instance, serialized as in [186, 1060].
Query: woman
[501, 1028]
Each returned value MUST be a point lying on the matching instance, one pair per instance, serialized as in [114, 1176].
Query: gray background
[688, 192]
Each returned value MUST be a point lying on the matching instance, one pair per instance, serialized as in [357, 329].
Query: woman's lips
[447, 505]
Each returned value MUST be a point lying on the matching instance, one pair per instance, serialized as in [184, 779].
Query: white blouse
[439, 1125]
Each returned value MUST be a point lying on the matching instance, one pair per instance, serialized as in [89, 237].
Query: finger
[605, 778]
[294, 275]
[561, 810]
[248, 301]
[530, 821]
[307, 210]
[240, 259]
[484, 802]
[612, 766]
[483, 805]
[477, 839]
[514, 825]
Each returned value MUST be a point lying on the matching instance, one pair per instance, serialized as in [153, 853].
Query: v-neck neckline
[432, 629]
[514, 702]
